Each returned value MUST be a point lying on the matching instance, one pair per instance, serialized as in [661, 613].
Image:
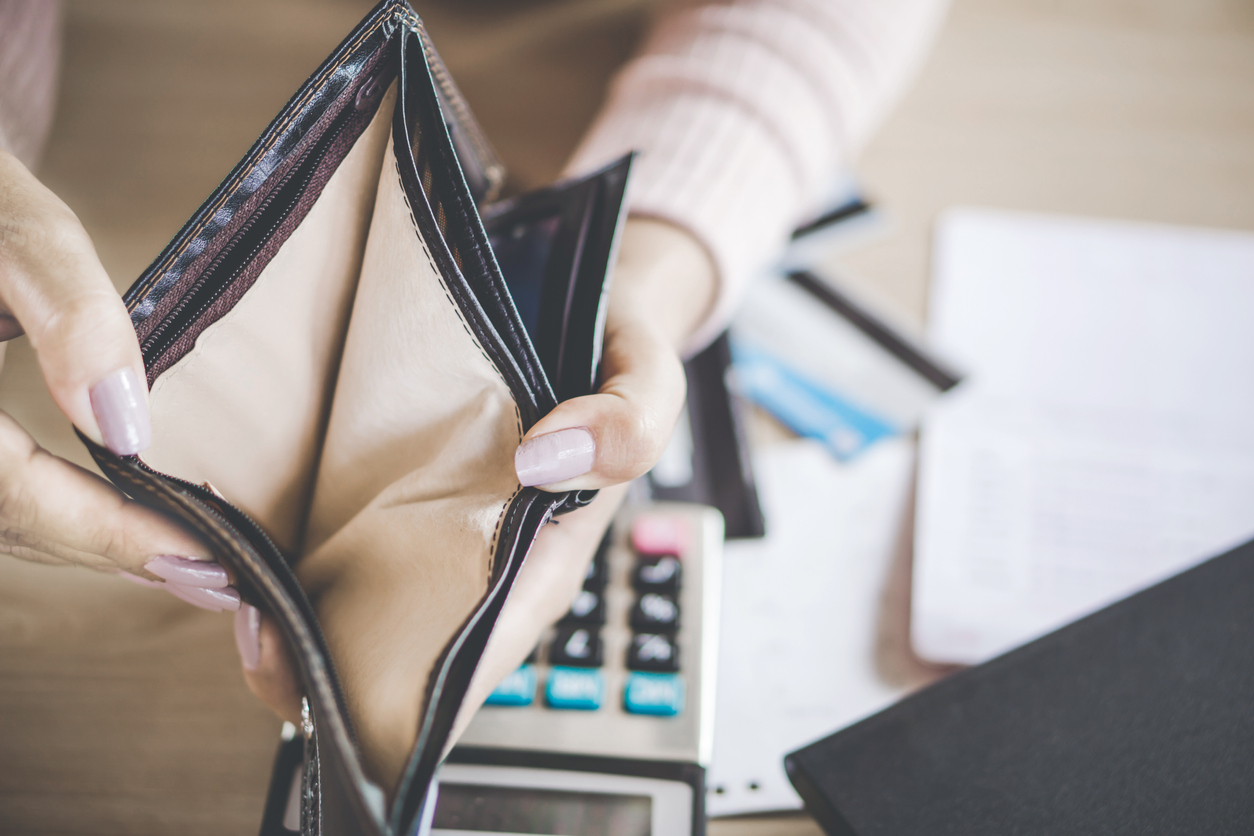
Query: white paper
[802, 615]
[1104, 438]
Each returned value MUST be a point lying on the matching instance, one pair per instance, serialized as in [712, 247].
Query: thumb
[53, 285]
[617, 434]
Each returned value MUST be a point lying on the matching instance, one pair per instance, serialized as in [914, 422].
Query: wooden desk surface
[122, 710]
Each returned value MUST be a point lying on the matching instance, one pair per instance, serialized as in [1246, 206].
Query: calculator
[608, 727]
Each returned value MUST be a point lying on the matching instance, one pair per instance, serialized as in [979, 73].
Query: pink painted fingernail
[127, 576]
[215, 600]
[187, 572]
[121, 410]
[248, 636]
[556, 457]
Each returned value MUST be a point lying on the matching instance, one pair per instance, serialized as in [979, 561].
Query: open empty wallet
[345, 346]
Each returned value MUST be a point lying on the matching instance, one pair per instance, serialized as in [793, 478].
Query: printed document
[1104, 437]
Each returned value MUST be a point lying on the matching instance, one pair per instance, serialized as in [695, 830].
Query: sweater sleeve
[30, 55]
[745, 110]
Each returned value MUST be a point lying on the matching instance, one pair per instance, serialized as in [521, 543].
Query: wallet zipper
[184, 314]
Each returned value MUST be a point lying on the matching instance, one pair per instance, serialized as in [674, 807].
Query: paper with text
[1104, 438]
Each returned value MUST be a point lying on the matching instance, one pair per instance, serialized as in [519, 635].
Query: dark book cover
[1138, 719]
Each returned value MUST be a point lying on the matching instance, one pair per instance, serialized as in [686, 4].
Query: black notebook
[1138, 719]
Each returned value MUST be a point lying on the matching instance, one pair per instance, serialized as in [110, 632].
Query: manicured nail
[248, 635]
[187, 572]
[215, 600]
[555, 457]
[127, 576]
[121, 410]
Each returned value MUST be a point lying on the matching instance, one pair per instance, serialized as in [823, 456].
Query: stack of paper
[1104, 438]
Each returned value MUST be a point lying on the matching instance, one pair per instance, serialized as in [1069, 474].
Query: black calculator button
[654, 613]
[587, 608]
[597, 575]
[658, 574]
[576, 647]
[598, 569]
[653, 652]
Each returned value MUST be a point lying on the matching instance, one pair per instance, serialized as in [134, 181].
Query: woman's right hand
[54, 289]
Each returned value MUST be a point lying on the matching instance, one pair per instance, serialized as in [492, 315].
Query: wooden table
[122, 710]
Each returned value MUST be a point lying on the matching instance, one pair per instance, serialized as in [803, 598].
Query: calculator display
[497, 809]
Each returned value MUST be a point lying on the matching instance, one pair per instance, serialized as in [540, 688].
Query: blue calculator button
[575, 688]
[661, 694]
[517, 689]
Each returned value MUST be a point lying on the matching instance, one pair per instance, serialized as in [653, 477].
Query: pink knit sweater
[745, 111]
[30, 55]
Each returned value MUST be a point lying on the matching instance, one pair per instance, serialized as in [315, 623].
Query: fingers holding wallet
[54, 289]
[662, 287]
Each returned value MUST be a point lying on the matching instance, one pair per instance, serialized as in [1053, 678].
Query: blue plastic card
[806, 407]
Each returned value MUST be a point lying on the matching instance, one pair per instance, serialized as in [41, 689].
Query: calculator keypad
[576, 654]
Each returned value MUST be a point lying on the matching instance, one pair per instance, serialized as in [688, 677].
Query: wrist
[664, 281]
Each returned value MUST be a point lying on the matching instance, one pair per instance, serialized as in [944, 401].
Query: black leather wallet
[342, 359]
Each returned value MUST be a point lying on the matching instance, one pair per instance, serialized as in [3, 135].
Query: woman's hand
[663, 284]
[53, 288]
[662, 287]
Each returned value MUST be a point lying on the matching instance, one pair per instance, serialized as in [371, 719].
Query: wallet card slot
[432, 177]
[557, 247]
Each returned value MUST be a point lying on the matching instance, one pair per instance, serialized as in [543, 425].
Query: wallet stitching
[456, 308]
[466, 326]
[496, 532]
[295, 112]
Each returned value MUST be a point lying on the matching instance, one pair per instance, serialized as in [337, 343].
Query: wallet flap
[255, 389]
[416, 474]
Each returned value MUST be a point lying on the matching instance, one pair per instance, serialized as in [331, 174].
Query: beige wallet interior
[346, 407]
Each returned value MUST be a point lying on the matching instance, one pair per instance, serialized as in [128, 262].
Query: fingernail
[215, 600]
[187, 572]
[248, 635]
[121, 410]
[555, 457]
[137, 579]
